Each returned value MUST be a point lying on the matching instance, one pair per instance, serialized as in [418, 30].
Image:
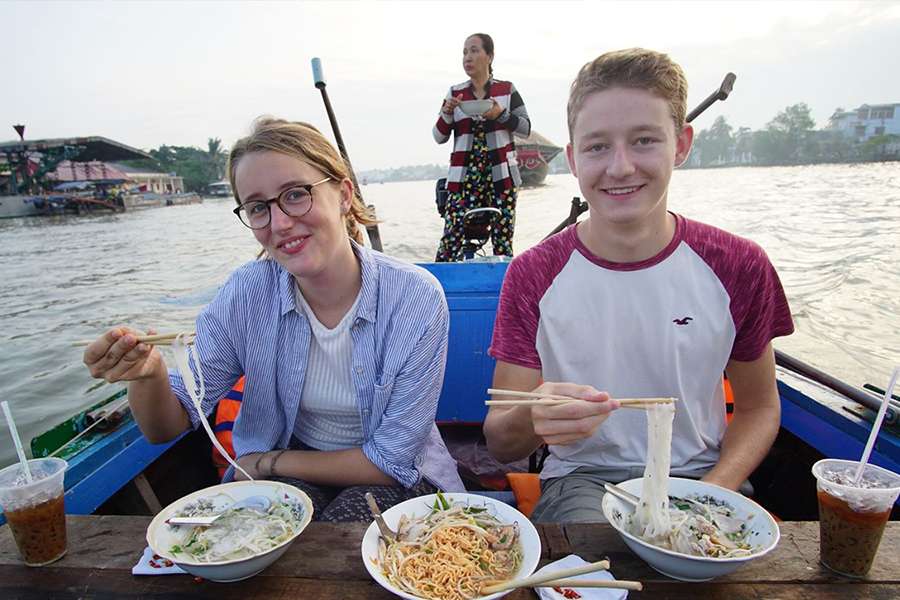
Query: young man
[636, 301]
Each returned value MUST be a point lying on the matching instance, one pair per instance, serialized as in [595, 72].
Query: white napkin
[573, 560]
[151, 564]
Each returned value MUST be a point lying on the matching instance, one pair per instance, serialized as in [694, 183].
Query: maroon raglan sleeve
[759, 307]
[758, 304]
[518, 313]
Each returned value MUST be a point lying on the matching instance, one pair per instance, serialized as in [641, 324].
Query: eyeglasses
[295, 201]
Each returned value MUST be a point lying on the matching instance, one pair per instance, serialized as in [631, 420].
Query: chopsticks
[537, 399]
[160, 339]
[535, 580]
[558, 578]
[594, 583]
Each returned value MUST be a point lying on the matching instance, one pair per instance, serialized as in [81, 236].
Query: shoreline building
[152, 181]
[867, 121]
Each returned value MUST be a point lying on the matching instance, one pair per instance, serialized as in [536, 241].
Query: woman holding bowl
[483, 169]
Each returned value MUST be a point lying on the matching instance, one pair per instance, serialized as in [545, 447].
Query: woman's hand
[493, 112]
[248, 462]
[118, 356]
[574, 421]
[259, 464]
[450, 104]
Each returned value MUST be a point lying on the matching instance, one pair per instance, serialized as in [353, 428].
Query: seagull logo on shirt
[682, 320]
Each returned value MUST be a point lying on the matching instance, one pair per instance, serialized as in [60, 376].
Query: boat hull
[18, 206]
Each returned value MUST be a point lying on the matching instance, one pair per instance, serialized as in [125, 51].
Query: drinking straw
[16, 440]
[874, 434]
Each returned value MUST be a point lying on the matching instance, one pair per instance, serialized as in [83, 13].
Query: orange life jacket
[729, 399]
[226, 413]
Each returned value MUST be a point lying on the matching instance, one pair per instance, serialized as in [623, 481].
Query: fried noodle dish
[451, 553]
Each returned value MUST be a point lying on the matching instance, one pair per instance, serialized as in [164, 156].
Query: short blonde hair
[303, 141]
[632, 68]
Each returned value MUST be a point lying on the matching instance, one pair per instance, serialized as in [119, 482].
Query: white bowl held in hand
[764, 533]
[476, 108]
[421, 506]
[162, 536]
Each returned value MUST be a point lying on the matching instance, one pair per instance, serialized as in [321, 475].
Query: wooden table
[325, 563]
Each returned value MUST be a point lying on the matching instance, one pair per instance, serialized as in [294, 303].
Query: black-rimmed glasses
[295, 201]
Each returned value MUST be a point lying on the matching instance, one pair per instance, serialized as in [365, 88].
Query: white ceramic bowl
[161, 537]
[421, 506]
[764, 532]
[475, 108]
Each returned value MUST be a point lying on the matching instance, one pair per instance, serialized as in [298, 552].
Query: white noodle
[652, 514]
[698, 528]
[183, 357]
[238, 532]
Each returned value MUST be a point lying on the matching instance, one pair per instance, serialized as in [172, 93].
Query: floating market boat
[117, 471]
[534, 154]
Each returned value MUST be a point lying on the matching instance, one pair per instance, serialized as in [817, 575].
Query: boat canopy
[94, 147]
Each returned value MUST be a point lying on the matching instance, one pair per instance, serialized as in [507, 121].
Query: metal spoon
[386, 532]
[257, 503]
[633, 500]
[622, 494]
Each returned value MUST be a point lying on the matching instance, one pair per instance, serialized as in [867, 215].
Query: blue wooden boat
[120, 471]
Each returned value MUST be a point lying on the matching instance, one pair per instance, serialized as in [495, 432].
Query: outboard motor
[477, 224]
[440, 195]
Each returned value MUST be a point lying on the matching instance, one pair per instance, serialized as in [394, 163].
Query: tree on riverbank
[197, 167]
[790, 138]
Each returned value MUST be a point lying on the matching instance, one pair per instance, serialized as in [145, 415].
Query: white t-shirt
[328, 418]
[666, 326]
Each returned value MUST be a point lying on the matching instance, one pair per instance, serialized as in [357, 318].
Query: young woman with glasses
[343, 348]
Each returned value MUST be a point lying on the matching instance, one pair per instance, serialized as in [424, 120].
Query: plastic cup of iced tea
[852, 518]
[36, 511]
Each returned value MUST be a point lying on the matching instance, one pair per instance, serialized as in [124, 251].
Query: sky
[178, 73]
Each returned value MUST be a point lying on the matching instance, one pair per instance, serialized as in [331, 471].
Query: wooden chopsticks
[160, 339]
[534, 580]
[558, 578]
[623, 584]
[537, 399]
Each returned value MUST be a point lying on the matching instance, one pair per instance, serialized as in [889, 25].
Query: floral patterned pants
[478, 192]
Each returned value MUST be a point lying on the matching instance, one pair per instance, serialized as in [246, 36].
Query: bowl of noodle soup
[712, 531]
[449, 546]
[240, 543]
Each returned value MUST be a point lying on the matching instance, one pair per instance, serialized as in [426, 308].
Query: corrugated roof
[139, 171]
[95, 170]
[95, 147]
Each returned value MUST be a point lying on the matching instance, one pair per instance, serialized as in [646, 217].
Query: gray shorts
[576, 497]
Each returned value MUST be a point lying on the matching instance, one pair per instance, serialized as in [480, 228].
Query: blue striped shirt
[400, 334]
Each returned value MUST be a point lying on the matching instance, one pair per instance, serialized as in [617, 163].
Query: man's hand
[574, 421]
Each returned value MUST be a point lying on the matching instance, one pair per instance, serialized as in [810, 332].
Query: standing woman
[343, 348]
[483, 168]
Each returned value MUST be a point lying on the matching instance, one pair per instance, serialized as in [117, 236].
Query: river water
[832, 231]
